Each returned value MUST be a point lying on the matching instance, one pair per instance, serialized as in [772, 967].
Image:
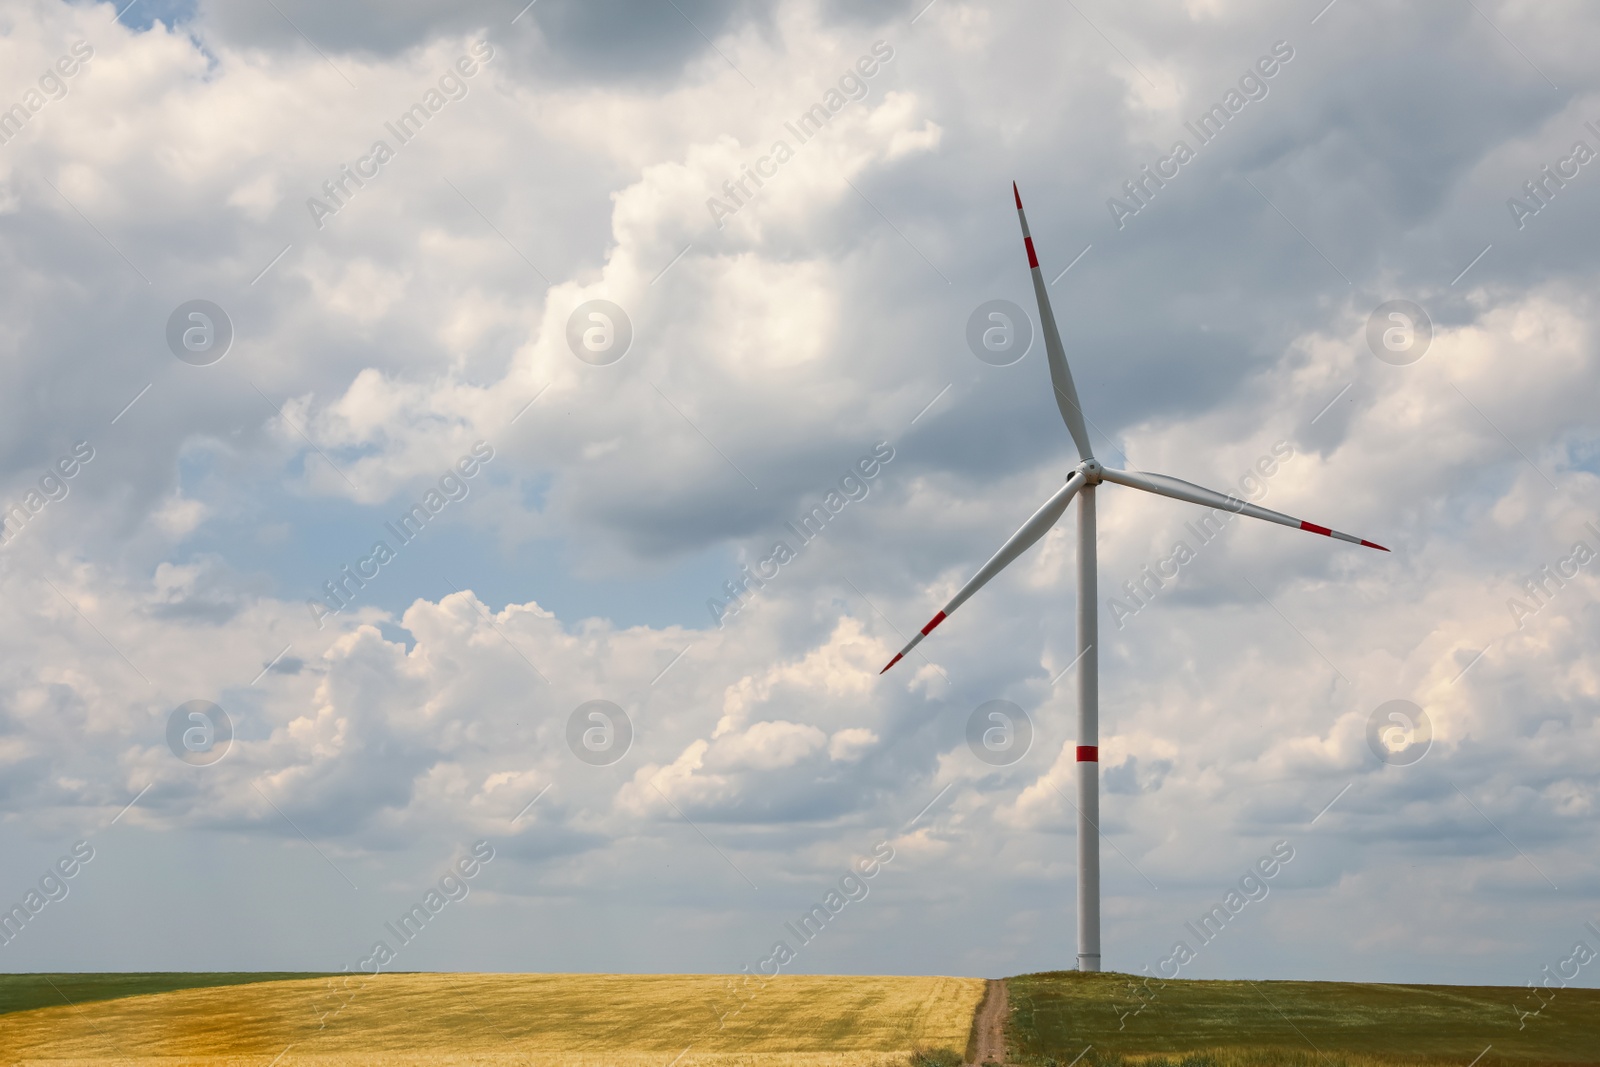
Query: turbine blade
[1035, 528]
[1060, 376]
[1178, 489]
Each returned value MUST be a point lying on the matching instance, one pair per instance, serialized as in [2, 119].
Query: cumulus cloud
[771, 347]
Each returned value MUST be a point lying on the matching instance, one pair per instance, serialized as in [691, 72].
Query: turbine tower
[1081, 483]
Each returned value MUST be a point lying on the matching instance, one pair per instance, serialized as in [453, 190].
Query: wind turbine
[1081, 483]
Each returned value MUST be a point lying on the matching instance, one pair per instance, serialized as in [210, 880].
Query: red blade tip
[1017, 195]
[892, 662]
[1369, 544]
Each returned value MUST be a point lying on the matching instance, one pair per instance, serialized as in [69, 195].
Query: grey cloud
[611, 41]
[412, 317]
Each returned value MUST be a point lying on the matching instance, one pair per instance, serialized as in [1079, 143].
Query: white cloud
[821, 319]
[850, 744]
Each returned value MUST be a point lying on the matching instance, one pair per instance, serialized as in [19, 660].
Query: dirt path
[990, 1024]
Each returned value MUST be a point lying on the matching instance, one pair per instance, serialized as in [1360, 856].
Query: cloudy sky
[407, 330]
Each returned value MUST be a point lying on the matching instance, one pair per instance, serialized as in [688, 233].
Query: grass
[21, 992]
[1055, 1015]
[567, 1020]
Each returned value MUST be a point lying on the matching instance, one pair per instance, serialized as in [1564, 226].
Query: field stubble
[408, 1020]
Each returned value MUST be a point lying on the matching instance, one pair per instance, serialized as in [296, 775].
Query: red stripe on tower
[1314, 528]
[937, 619]
[1033, 260]
[1088, 753]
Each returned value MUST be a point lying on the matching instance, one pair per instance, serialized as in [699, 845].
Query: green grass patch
[24, 992]
[1124, 1020]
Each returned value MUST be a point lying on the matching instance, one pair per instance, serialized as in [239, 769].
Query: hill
[600, 1020]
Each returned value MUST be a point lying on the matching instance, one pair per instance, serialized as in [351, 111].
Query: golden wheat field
[408, 1020]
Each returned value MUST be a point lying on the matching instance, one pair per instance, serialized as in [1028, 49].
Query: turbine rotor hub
[1091, 471]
